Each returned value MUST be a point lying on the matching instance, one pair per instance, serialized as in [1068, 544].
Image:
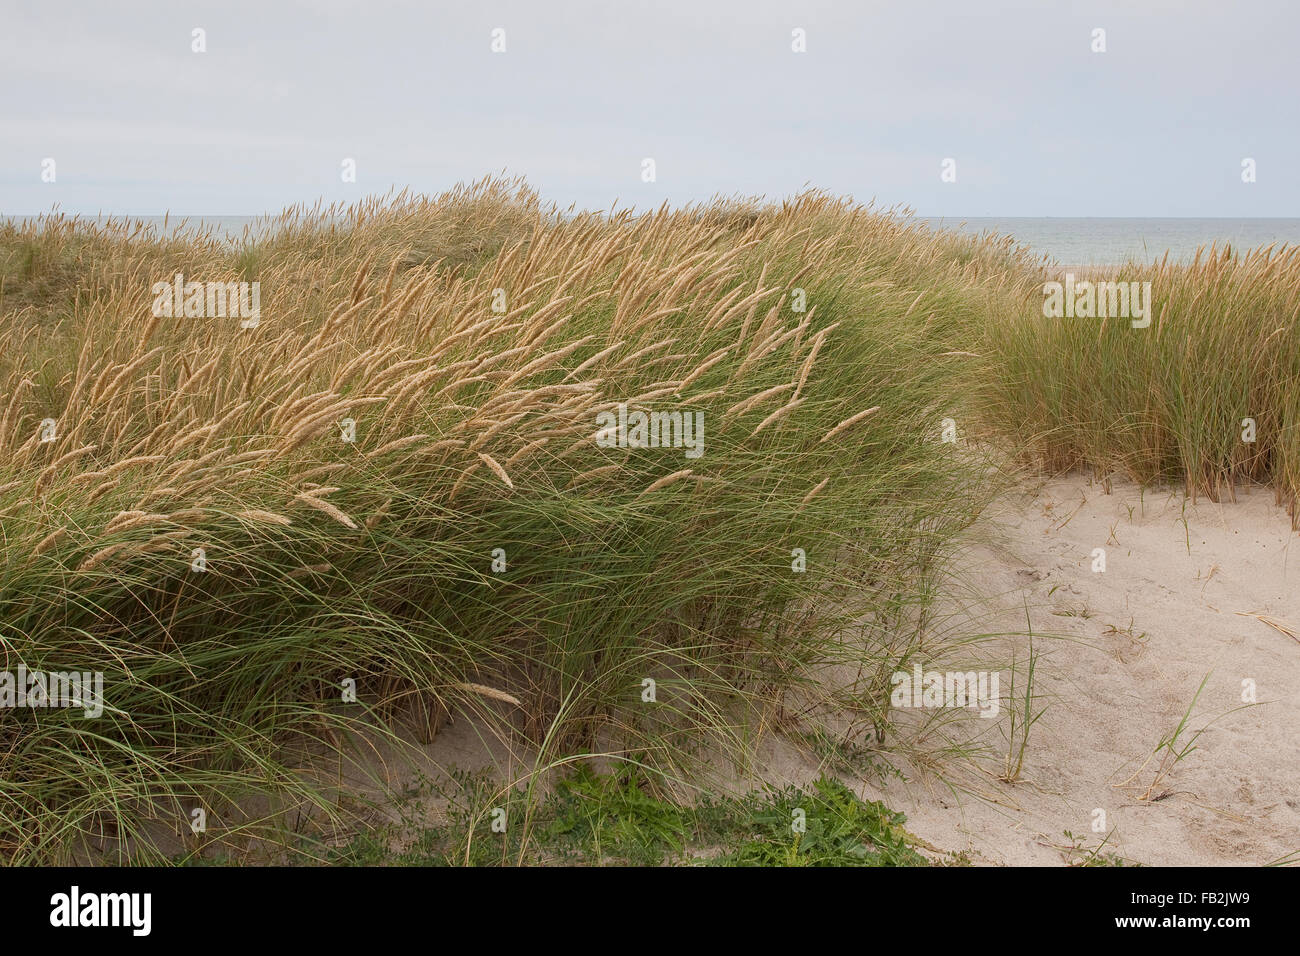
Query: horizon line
[882, 210]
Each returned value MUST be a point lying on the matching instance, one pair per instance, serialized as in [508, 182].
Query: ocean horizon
[1104, 241]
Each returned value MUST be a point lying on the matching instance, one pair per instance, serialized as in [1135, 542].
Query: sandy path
[1112, 694]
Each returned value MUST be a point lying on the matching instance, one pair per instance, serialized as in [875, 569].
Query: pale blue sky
[1038, 124]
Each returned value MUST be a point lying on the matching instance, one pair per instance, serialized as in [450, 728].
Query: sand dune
[1139, 638]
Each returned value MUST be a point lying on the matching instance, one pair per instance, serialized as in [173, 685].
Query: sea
[1106, 242]
[1070, 241]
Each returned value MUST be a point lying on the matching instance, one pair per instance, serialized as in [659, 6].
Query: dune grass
[479, 549]
[475, 550]
[1206, 397]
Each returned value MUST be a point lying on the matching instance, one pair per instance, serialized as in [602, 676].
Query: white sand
[1111, 697]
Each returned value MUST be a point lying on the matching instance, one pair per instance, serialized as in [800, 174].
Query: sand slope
[1144, 634]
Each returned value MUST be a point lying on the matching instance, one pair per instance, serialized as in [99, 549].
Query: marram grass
[1207, 396]
[474, 550]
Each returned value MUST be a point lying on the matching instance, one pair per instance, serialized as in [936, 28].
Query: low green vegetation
[613, 818]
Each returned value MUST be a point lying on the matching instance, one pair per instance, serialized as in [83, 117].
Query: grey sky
[1038, 124]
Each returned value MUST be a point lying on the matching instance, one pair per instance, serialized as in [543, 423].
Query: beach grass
[1206, 396]
[184, 511]
[394, 500]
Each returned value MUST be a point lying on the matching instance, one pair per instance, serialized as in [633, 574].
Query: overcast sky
[1037, 123]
